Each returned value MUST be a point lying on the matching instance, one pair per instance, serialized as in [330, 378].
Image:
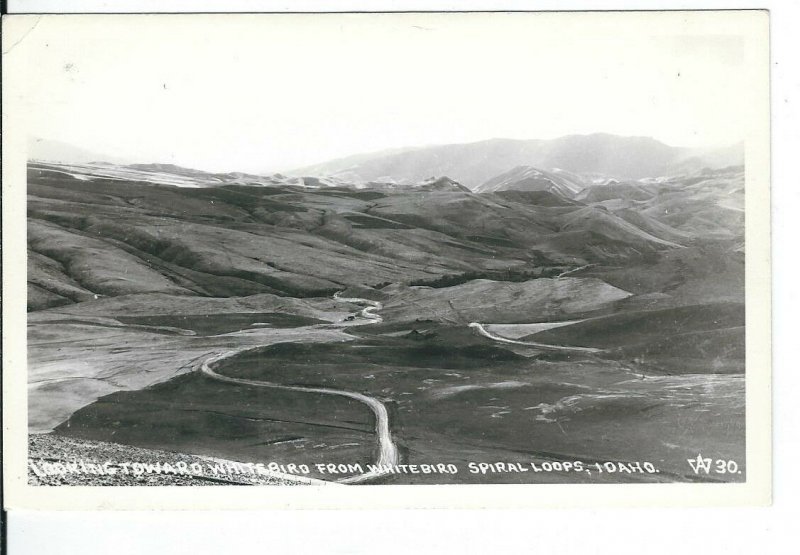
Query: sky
[271, 93]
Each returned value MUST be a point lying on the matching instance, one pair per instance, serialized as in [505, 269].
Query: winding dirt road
[388, 454]
[544, 346]
[369, 311]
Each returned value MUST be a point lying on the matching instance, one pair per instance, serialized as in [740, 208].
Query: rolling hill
[527, 178]
[110, 237]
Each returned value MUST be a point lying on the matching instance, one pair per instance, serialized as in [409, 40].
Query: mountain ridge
[472, 164]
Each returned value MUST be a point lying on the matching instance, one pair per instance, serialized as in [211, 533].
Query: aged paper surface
[396, 260]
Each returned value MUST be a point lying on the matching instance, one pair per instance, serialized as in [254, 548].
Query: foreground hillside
[53, 458]
[536, 321]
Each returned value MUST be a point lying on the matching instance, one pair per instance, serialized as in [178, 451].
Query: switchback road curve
[388, 454]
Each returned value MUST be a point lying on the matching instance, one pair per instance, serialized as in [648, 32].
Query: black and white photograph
[340, 250]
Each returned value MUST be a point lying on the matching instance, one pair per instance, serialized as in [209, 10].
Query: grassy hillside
[107, 237]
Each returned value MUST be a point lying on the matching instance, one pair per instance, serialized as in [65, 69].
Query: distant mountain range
[599, 156]
[563, 166]
[58, 151]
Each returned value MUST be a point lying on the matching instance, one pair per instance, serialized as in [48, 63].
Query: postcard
[386, 260]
